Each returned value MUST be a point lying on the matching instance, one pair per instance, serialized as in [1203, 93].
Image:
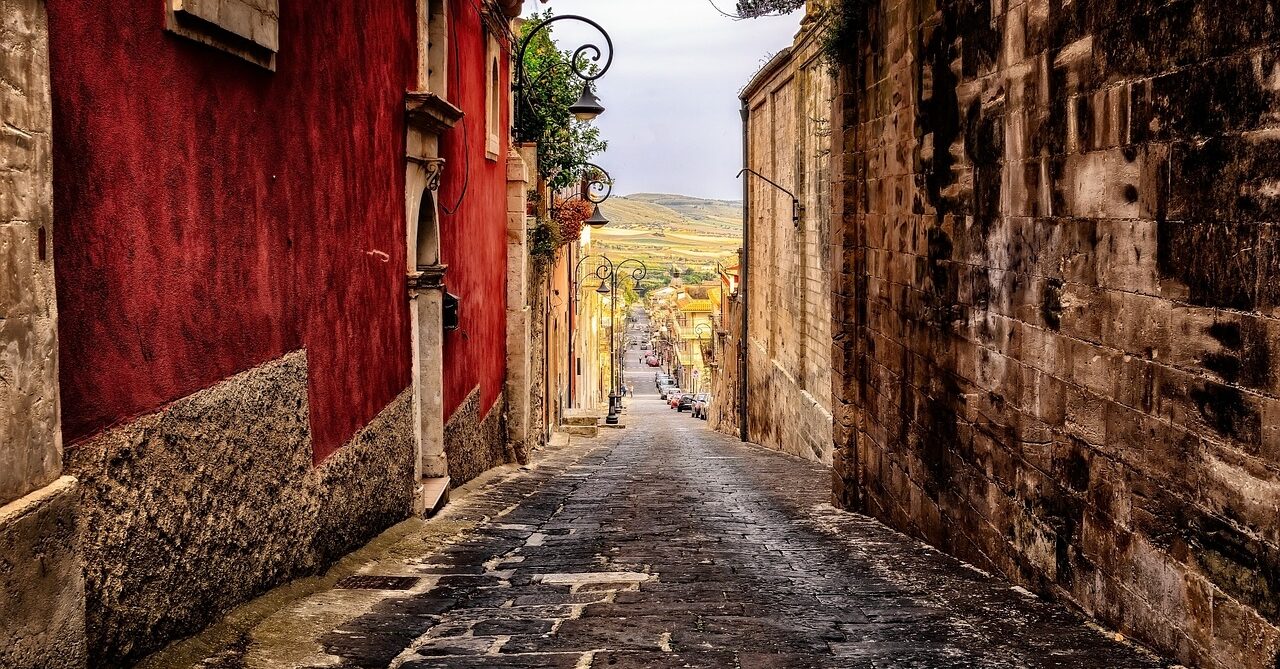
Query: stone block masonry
[1055, 303]
[788, 276]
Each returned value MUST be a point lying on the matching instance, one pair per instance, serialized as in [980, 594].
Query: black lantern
[597, 219]
[588, 106]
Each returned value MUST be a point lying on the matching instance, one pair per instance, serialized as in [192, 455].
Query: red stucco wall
[212, 215]
[473, 238]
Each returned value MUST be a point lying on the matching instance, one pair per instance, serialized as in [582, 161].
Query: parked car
[700, 403]
[685, 402]
[667, 392]
[652, 361]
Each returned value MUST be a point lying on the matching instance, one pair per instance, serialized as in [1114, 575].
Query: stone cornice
[429, 112]
[427, 277]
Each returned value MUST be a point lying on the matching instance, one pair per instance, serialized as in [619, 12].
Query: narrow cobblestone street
[668, 545]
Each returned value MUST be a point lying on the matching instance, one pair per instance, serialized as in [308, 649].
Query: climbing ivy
[545, 240]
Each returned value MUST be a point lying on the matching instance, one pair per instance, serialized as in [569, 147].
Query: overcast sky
[672, 94]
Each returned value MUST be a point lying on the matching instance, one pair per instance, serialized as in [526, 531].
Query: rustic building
[788, 277]
[41, 577]
[1055, 302]
[262, 216]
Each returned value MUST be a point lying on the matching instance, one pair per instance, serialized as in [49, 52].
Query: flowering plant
[570, 215]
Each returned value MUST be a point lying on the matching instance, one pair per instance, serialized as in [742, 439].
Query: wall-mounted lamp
[588, 105]
[598, 188]
[795, 202]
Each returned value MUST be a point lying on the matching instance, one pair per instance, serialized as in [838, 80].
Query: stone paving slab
[668, 545]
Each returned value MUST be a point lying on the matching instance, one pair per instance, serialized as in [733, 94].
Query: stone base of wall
[782, 416]
[194, 509]
[42, 609]
[475, 443]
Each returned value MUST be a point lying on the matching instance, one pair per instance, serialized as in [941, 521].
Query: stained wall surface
[1056, 301]
[473, 227]
[220, 214]
[788, 279]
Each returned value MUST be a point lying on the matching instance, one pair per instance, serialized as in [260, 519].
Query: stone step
[582, 430]
[580, 419]
[432, 495]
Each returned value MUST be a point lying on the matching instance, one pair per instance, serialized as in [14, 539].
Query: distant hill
[663, 229]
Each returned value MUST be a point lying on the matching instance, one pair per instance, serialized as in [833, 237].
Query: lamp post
[599, 187]
[702, 347]
[588, 105]
[609, 274]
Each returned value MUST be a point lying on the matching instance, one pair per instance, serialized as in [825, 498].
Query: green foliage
[563, 140]
[750, 9]
[545, 240]
[840, 24]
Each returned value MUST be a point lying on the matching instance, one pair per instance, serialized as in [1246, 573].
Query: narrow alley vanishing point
[668, 545]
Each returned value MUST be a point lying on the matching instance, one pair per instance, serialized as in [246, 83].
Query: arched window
[493, 108]
[428, 251]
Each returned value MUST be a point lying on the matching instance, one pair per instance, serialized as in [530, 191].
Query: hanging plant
[545, 240]
[570, 216]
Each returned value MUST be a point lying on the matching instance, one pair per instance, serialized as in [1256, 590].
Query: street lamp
[599, 187]
[588, 105]
[702, 346]
[609, 274]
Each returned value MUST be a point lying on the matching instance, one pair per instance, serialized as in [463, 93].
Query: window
[433, 49]
[493, 106]
[246, 28]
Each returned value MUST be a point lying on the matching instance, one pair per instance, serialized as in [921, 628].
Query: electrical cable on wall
[505, 39]
[466, 137]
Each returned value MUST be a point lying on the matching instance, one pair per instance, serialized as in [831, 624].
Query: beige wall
[789, 352]
[41, 578]
[30, 438]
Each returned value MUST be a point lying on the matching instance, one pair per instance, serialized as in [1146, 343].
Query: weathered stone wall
[199, 507]
[476, 443]
[30, 437]
[41, 580]
[726, 406]
[1056, 301]
[789, 377]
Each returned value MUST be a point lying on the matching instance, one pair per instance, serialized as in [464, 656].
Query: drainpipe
[742, 282]
[572, 332]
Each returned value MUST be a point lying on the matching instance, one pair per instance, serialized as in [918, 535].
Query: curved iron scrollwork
[580, 62]
[599, 185]
[596, 52]
[434, 167]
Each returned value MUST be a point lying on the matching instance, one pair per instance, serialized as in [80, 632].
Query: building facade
[1055, 301]
[788, 272]
[278, 234]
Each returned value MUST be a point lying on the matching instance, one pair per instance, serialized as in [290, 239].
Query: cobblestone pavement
[668, 545]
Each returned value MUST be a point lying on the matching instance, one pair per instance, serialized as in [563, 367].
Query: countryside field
[665, 230]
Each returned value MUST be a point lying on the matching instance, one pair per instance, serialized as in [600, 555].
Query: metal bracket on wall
[434, 168]
[796, 208]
